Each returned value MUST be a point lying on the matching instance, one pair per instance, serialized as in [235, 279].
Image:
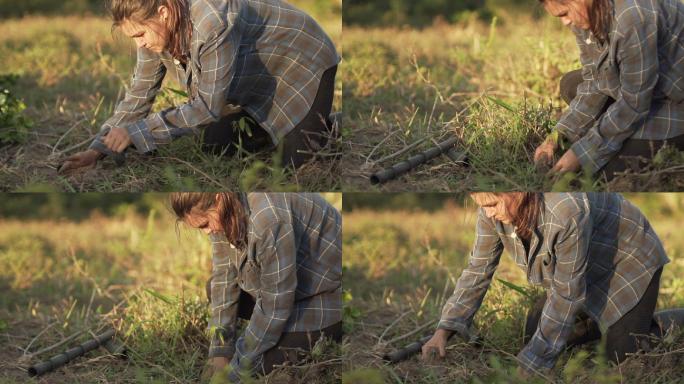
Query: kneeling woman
[596, 255]
[277, 262]
[628, 100]
[261, 68]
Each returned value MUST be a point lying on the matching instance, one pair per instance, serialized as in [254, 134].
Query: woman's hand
[543, 155]
[567, 163]
[80, 161]
[436, 344]
[117, 139]
[214, 366]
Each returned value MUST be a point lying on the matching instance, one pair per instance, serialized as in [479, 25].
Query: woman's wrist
[445, 333]
[553, 138]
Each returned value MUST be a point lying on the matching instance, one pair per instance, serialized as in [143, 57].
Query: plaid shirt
[641, 68]
[264, 55]
[292, 266]
[593, 252]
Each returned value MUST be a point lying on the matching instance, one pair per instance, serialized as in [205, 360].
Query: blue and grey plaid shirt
[264, 56]
[594, 252]
[640, 67]
[292, 267]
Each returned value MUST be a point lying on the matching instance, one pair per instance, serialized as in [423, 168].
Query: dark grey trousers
[292, 346]
[622, 337]
[635, 154]
[309, 136]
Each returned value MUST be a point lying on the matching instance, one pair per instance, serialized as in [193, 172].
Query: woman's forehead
[555, 7]
[132, 28]
[485, 199]
[195, 217]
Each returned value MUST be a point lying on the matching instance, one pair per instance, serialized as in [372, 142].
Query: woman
[627, 102]
[258, 73]
[277, 262]
[595, 253]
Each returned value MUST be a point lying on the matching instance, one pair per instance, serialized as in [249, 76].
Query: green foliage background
[425, 12]
[13, 8]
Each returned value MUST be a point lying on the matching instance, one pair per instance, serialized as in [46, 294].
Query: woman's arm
[217, 59]
[277, 256]
[586, 107]
[637, 35]
[565, 298]
[147, 79]
[225, 294]
[472, 286]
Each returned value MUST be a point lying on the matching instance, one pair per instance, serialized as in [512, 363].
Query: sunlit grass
[73, 70]
[494, 86]
[401, 266]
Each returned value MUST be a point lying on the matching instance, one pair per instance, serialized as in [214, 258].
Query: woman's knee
[568, 85]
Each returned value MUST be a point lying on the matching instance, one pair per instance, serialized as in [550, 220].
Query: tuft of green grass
[401, 266]
[72, 71]
[493, 85]
[131, 271]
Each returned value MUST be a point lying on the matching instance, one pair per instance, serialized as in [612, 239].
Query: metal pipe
[446, 146]
[57, 361]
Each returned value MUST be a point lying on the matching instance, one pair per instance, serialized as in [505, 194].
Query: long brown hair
[523, 207]
[600, 17]
[178, 23]
[231, 211]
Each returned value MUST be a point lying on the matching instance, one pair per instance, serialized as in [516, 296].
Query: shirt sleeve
[216, 59]
[475, 279]
[225, 294]
[147, 79]
[277, 257]
[586, 107]
[564, 299]
[637, 53]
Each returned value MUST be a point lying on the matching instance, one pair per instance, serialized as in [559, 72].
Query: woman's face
[208, 221]
[494, 206]
[151, 34]
[571, 12]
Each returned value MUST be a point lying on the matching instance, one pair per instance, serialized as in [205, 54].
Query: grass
[403, 265]
[129, 271]
[72, 73]
[494, 86]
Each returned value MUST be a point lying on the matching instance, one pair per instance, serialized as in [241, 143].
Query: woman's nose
[566, 21]
[206, 230]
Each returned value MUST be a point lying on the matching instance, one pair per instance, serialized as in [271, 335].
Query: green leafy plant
[13, 124]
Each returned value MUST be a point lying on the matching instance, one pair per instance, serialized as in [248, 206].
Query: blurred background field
[62, 62]
[402, 257]
[72, 263]
[486, 71]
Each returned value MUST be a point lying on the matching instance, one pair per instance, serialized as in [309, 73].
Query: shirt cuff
[245, 367]
[587, 153]
[531, 361]
[141, 136]
[457, 326]
[565, 131]
[98, 145]
[222, 344]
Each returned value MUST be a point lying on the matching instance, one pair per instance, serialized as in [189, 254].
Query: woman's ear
[163, 12]
[218, 198]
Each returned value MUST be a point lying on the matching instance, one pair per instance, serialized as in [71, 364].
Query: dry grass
[129, 271]
[495, 87]
[72, 73]
[401, 266]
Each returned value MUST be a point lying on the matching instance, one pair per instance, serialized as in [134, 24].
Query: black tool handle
[63, 358]
[402, 167]
[406, 352]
